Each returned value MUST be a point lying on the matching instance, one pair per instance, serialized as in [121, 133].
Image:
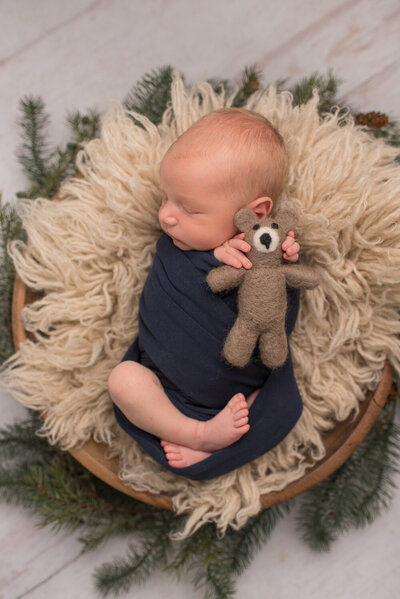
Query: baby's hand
[291, 248]
[231, 252]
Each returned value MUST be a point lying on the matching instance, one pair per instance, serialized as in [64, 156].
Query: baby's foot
[225, 428]
[179, 456]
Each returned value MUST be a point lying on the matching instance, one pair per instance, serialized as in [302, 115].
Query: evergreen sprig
[251, 79]
[44, 167]
[205, 559]
[147, 555]
[83, 127]
[10, 228]
[210, 562]
[34, 153]
[356, 493]
[20, 439]
[327, 87]
[249, 539]
[151, 94]
[49, 481]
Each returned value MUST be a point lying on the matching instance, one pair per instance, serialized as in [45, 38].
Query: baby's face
[198, 204]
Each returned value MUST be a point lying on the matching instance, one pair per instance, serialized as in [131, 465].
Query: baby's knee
[120, 378]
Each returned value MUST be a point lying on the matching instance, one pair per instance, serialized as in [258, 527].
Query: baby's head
[229, 159]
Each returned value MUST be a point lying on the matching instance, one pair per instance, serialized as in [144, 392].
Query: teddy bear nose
[266, 240]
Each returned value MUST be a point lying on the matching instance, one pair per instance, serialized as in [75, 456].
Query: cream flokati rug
[91, 252]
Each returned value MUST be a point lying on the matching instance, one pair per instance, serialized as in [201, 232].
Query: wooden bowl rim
[92, 454]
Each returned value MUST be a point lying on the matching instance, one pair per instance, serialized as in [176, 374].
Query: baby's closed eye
[190, 210]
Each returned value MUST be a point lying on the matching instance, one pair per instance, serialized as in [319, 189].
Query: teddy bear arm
[301, 276]
[224, 277]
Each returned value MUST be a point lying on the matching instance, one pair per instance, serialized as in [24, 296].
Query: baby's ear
[245, 219]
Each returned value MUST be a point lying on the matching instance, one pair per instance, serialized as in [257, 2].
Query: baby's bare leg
[138, 393]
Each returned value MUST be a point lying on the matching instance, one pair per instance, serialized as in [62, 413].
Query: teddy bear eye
[256, 227]
[275, 226]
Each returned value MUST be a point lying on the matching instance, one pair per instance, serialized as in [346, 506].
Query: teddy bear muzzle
[266, 240]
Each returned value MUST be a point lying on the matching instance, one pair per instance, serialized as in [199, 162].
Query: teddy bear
[262, 299]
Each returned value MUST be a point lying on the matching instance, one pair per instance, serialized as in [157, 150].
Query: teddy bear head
[266, 235]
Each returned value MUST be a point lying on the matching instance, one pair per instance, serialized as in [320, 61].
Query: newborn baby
[173, 392]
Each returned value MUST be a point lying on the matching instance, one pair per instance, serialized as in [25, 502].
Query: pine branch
[150, 96]
[358, 492]
[83, 127]
[250, 83]
[216, 562]
[33, 154]
[201, 556]
[140, 563]
[206, 558]
[45, 479]
[248, 540]
[46, 169]
[327, 87]
[213, 563]
[10, 228]
[20, 439]
[211, 570]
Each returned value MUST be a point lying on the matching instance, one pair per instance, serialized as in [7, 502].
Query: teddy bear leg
[273, 348]
[240, 343]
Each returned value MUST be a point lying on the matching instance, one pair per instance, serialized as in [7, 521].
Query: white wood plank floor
[84, 53]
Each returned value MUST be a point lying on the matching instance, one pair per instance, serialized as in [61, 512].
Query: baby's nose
[169, 220]
[166, 216]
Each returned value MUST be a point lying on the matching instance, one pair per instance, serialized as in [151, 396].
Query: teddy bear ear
[245, 219]
[288, 218]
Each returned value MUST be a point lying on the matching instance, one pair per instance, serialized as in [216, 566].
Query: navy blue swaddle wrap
[182, 329]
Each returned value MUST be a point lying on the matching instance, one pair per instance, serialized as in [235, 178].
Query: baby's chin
[185, 247]
[182, 246]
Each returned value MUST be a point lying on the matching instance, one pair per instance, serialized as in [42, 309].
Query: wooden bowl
[340, 442]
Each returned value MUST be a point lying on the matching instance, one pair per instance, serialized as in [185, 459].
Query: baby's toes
[172, 453]
[240, 414]
[237, 402]
[242, 422]
[169, 447]
[237, 399]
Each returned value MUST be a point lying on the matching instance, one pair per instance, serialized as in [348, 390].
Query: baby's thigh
[128, 379]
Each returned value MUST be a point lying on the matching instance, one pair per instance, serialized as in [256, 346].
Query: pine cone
[251, 86]
[375, 120]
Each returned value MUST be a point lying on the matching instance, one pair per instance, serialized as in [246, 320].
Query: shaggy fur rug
[91, 252]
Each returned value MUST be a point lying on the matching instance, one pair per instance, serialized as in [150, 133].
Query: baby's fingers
[289, 241]
[292, 248]
[292, 253]
[239, 258]
[239, 244]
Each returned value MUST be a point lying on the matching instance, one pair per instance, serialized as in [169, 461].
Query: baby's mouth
[172, 236]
